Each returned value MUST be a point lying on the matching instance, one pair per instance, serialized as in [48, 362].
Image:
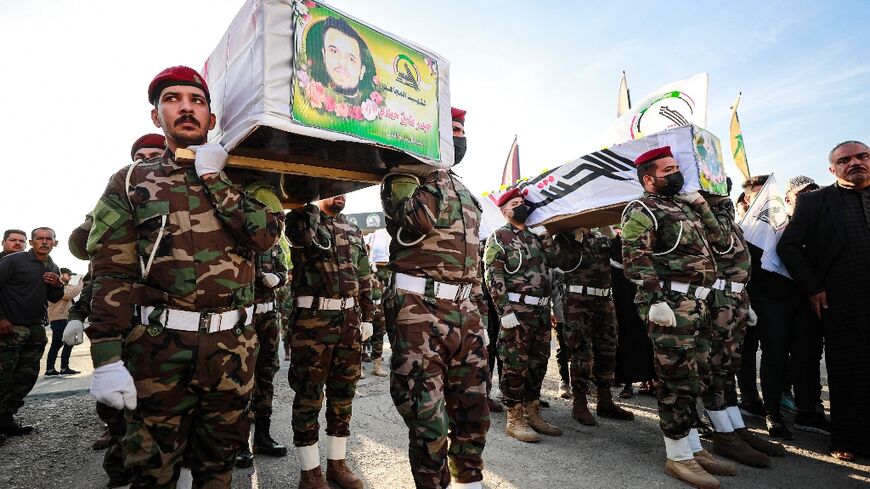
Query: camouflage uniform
[329, 262]
[517, 263]
[729, 308]
[266, 325]
[439, 361]
[664, 244]
[380, 280]
[285, 310]
[173, 241]
[590, 317]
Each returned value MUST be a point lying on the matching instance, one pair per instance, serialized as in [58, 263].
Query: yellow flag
[738, 150]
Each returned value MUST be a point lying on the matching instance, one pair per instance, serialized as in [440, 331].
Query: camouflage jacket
[439, 221]
[329, 258]
[205, 257]
[585, 262]
[733, 261]
[272, 261]
[77, 243]
[517, 261]
[664, 239]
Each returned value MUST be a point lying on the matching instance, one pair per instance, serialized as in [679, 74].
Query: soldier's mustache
[187, 118]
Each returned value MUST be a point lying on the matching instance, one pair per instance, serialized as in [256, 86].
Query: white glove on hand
[485, 338]
[210, 158]
[270, 280]
[510, 321]
[661, 314]
[689, 197]
[74, 333]
[751, 318]
[113, 386]
[367, 329]
[579, 234]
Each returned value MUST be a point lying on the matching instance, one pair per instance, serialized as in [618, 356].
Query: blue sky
[546, 71]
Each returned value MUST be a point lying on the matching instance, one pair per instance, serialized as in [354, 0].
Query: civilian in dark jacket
[28, 281]
[826, 248]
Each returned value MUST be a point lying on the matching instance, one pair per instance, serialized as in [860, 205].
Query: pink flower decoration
[342, 109]
[370, 109]
[316, 94]
[303, 78]
[329, 104]
[356, 113]
[376, 97]
[525, 191]
[376, 80]
[309, 4]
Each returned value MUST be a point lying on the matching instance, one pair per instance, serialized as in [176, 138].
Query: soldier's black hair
[835, 148]
[755, 181]
[12, 231]
[42, 228]
[645, 169]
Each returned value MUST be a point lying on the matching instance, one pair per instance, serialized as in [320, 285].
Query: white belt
[585, 289]
[325, 304]
[376, 302]
[722, 284]
[528, 299]
[264, 307]
[691, 290]
[443, 290]
[212, 322]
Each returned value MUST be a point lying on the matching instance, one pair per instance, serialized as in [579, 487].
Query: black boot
[263, 442]
[10, 427]
[244, 458]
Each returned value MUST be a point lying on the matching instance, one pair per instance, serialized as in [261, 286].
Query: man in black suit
[826, 248]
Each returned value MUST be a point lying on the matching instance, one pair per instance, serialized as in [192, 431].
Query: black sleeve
[792, 242]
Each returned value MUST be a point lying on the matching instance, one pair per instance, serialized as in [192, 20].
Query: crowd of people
[196, 274]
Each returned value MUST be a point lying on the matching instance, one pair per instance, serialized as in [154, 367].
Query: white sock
[735, 417]
[336, 447]
[678, 450]
[695, 440]
[185, 479]
[309, 457]
[466, 485]
[721, 421]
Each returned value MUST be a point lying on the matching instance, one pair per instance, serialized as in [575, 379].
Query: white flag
[676, 104]
[764, 223]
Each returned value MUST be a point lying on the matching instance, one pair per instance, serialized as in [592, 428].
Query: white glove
[367, 329]
[270, 280]
[661, 314]
[210, 158]
[751, 318]
[113, 386]
[485, 338]
[689, 197]
[578, 234]
[510, 321]
[74, 333]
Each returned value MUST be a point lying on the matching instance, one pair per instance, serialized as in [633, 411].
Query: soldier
[518, 280]
[285, 312]
[171, 250]
[590, 320]
[731, 314]
[333, 317]
[665, 251]
[380, 280]
[439, 365]
[271, 274]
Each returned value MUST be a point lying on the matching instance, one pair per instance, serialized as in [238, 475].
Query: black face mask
[521, 213]
[459, 147]
[673, 184]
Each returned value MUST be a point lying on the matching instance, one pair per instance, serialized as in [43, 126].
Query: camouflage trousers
[740, 307]
[438, 384]
[380, 329]
[680, 355]
[20, 352]
[113, 460]
[266, 325]
[524, 351]
[325, 352]
[722, 329]
[194, 392]
[590, 335]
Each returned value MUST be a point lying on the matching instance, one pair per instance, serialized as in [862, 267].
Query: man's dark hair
[42, 228]
[65, 270]
[314, 51]
[755, 181]
[835, 148]
[741, 199]
[12, 231]
[648, 168]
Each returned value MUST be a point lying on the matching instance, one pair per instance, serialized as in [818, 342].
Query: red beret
[176, 75]
[654, 154]
[458, 115]
[508, 196]
[147, 141]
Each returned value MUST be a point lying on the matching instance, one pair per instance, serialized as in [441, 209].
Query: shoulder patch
[267, 197]
[402, 186]
[635, 225]
[492, 249]
[105, 218]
